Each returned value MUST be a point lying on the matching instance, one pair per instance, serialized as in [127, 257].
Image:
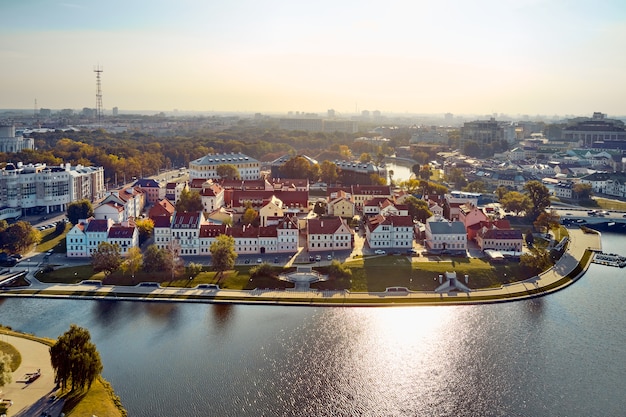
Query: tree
[249, 216]
[365, 158]
[529, 237]
[425, 172]
[418, 209]
[501, 191]
[457, 177]
[156, 259]
[472, 148]
[320, 208]
[415, 169]
[539, 196]
[193, 269]
[227, 172]
[107, 257]
[411, 185]
[548, 220]
[329, 172]
[475, 187]
[223, 253]
[582, 191]
[133, 262]
[75, 359]
[6, 373]
[81, 209]
[391, 173]
[299, 167]
[145, 228]
[19, 236]
[516, 202]
[536, 261]
[376, 179]
[189, 201]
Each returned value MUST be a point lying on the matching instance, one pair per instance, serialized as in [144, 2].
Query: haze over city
[517, 57]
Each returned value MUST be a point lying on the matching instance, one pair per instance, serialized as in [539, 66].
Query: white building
[41, 188]
[9, 142]
[389, 232]
[445, 236]
[206, 167]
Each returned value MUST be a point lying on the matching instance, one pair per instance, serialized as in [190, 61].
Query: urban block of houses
[191, 233]
[389, 231]
[83, 239]
[329, 234]
[444, 235]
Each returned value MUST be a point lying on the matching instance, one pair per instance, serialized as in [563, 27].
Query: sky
[565, 57]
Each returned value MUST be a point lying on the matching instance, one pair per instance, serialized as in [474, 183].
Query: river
[560, 355]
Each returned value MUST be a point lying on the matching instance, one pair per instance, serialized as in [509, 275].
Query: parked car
[318, 258]
[379, 252]
[329, 257]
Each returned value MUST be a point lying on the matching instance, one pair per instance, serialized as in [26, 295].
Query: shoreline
[566, 271]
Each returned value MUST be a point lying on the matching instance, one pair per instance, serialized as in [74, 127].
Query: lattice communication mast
[98, 70]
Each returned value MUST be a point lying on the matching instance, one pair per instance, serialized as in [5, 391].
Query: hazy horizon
[523, 57]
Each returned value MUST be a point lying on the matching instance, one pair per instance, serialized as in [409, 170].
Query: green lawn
[374, 273]
[378, 273]
[49, 240]
[607, 204]
[9, 349]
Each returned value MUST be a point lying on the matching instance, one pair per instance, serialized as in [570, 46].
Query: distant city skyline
[424, 57]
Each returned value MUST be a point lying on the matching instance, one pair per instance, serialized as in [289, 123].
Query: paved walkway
[540, 285]
[31, 399]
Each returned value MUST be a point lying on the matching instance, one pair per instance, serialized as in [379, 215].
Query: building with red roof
[391, 231]
[329, 234]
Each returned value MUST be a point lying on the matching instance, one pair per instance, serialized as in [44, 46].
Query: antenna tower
[98, 70]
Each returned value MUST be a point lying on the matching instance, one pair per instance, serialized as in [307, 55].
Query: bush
[262, 270]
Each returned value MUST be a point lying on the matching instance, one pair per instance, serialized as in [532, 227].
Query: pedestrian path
[31, 398]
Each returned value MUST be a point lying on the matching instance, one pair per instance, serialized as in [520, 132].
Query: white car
[379, 252]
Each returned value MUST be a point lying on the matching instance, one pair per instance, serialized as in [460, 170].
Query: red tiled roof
[98, 226]
[121, 232]
[187, 220]
[511, 234]
[326, 226]
[212, 230]
[376, 201]
[243, 231]
[268, 231]
[162, 221]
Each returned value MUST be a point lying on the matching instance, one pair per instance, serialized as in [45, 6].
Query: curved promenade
[549, 281]
[31, 399]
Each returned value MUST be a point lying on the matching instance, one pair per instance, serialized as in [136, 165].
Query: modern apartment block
[40, 188]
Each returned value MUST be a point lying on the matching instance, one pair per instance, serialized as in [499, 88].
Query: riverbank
[38, 396]
[567, 270]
